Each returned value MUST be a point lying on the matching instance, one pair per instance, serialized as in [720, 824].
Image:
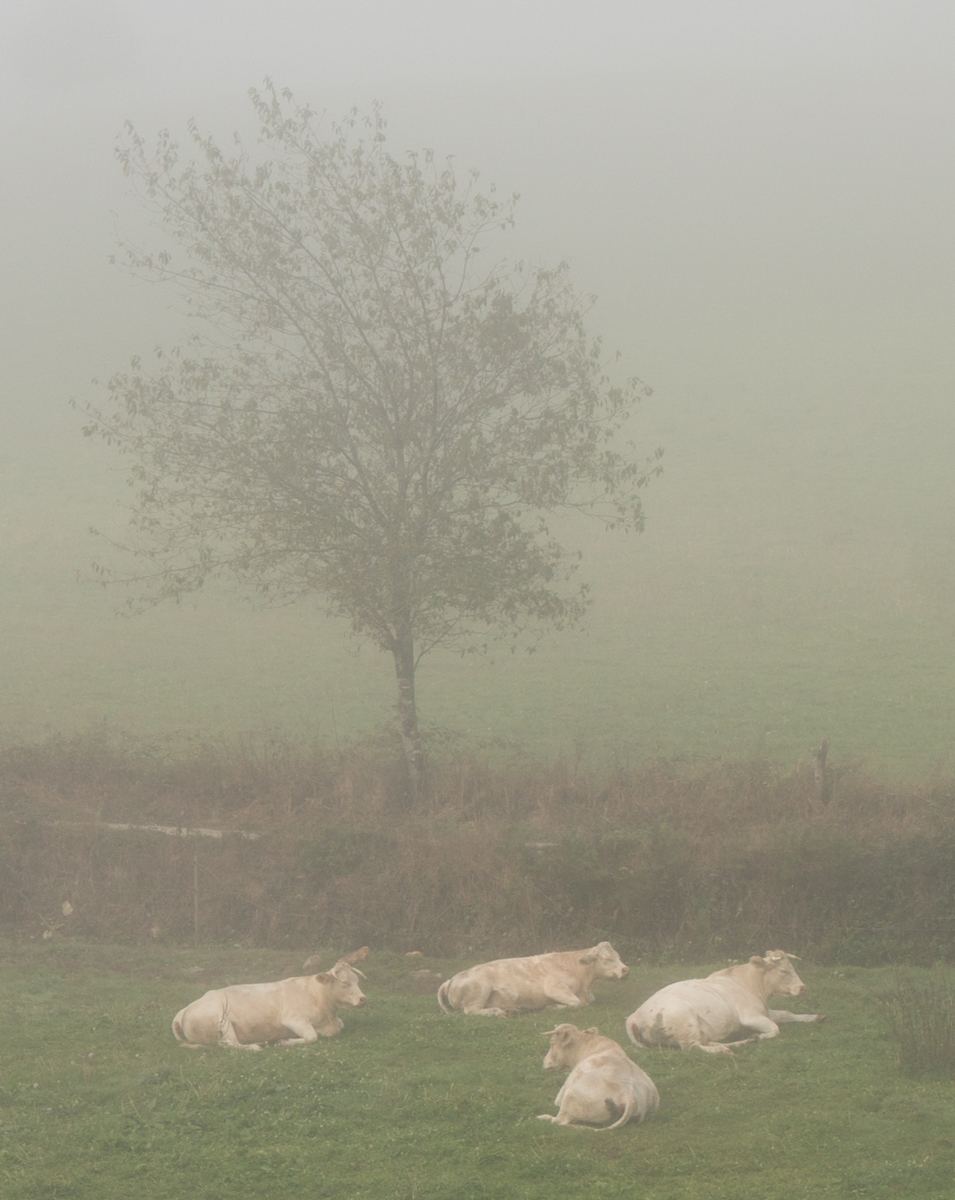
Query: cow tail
[633, 1033]
[443, 997]
[628, 1108]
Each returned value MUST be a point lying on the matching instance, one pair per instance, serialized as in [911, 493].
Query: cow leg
[781, 1017]
[227, 1037]
[304, 1033]
[763, 1027]
[475, 1010]
[335, 1025]
[562, 998]
[569, 1123]
[715, 1047]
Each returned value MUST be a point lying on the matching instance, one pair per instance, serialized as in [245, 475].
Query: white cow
[290, 1012]
[604, 1084]
[702, 1014]
[511, 985]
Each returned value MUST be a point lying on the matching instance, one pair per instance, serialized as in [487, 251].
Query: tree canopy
[367, 410]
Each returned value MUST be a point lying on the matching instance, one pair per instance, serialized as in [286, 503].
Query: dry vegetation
[507, 855]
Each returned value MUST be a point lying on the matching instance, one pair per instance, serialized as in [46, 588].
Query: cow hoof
[820, 1017]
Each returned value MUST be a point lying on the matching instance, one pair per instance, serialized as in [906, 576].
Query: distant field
[97, 1102]
[796, 580]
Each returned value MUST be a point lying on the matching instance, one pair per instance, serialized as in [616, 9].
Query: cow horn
[550, 1032]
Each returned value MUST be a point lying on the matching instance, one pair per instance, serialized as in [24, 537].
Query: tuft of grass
[921, 1011]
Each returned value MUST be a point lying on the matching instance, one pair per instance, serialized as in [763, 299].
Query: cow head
[779, 975]
[606, 962]
[342, 980]
[567, 1046]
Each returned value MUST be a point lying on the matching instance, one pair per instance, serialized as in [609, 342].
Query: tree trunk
[403, 651]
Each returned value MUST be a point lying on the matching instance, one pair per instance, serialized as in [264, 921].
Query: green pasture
[796, 579]
[97, 1101]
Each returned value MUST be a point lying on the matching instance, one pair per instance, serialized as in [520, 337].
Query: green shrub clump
[921, 1011]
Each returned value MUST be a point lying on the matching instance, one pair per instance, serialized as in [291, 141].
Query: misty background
[761, 199]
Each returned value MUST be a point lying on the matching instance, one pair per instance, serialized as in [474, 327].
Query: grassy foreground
[97, 1101]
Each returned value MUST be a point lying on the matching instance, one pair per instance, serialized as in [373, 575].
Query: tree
[362, 414]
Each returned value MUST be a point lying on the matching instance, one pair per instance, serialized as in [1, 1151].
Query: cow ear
[592, 1029]
[323, 977]
[586, 959]
[756, 961]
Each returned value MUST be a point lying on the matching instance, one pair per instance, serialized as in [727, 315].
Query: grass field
[796, 579]
[717, 633]
[97, 1101]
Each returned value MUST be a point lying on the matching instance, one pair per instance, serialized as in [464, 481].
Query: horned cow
[511, 985]
[701, 1014]
[604, 1084]
[289, 1012]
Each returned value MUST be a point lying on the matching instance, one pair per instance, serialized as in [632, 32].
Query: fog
[759, 196]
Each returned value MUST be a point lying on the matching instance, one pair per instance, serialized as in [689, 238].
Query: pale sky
[718, 173]
[103, 47]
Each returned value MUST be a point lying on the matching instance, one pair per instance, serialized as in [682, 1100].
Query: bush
[921, 1012]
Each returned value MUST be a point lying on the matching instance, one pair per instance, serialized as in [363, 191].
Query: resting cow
[702, 1014]
[511, 985]
[290, 1012]
[604, 1084]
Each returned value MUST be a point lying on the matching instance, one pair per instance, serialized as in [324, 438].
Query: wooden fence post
[819, 770]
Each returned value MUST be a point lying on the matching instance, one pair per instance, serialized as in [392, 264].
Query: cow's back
[510, 983]
[684, 1012]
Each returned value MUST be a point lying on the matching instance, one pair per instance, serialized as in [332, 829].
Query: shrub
[921, 1012]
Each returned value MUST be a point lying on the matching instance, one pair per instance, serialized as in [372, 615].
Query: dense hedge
[820, 893]
[718, 861]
